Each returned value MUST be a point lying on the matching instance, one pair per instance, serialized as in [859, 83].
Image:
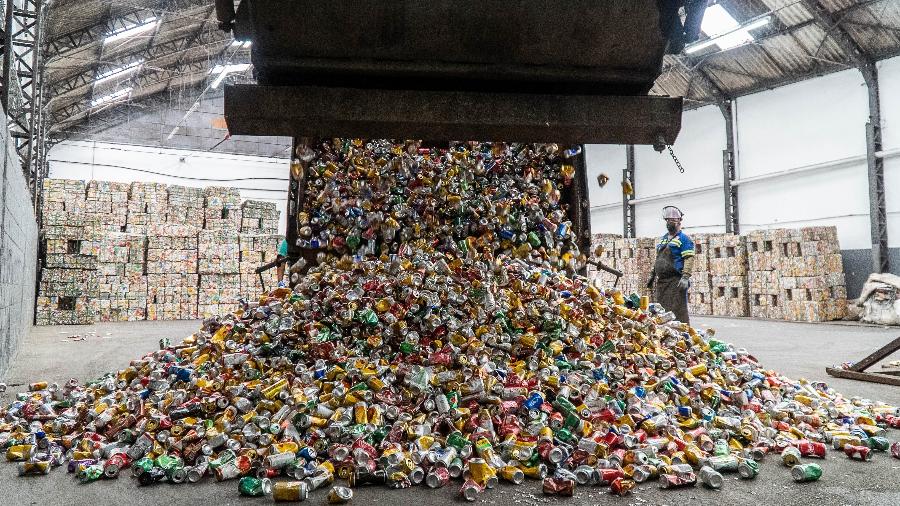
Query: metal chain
[677, 162]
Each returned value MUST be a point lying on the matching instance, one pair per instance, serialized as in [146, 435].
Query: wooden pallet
[858, 370]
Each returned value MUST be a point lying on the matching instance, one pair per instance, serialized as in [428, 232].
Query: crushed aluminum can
[863, 453]
[438, 477]
[895, 449]
[470, 490]
[790, 456]
[339, 495]
[811, 448]
[711, 478]
[290, 491]
[677, 480]
[621, 487]
[806, 472]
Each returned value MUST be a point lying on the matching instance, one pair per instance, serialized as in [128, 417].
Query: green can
[748, 469]
[457, 440]
[878, 443]
[251, 486]
[721, 448]
[142, 466]
[806, 472]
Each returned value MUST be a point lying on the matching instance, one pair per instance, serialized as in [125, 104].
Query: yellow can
[290, 491]
[19, 452]
[480, 470]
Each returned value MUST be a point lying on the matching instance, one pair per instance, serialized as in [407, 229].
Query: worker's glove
[684, 283]
[650, 282]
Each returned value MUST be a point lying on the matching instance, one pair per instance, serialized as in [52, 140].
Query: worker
[282, 253]
[673, 266]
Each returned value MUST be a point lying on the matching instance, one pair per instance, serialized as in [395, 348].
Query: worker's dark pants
[666, 290]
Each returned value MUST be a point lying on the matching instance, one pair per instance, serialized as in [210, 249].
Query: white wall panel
[703, 213]
[126, 163]
[836, 197]
[889, 80]
[608, 159]
[606, 220]
[699, 147]
[889, 77]
[814, 121]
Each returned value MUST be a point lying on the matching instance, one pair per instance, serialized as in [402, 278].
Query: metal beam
[628, 208]
[729, 172]
[160, 50]
[875, 165]
[65, 42]
[831, 24]
[313, 111]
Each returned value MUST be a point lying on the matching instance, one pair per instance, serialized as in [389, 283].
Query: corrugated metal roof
[186, 43]
[791, 47]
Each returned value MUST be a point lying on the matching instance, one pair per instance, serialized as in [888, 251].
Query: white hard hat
[671, 213]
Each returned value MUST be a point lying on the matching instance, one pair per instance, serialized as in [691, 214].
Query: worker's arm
[280, 271]
[688, 267]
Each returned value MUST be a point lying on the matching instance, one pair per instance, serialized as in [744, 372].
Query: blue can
[534, 401]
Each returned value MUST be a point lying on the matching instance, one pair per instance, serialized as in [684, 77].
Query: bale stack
[147, 205]
[811, 275]
[222, 208]
[259, 217]
[764, 254]
[728, 275]
[68, 278]
[65, 297]
[185, 206]
[108, 202]
[122, 284]
[700, 293]
[257, 250]
[635, 260]
[219, 268]
[172, 272]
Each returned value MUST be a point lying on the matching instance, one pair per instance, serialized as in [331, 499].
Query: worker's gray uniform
[666, 290]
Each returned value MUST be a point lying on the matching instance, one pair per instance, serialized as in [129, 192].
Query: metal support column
[877, 207]
[22, 65]
[732, 221]
[628, 216]
[580, 205]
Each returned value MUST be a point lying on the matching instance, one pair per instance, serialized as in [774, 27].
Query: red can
[608, 476]
[895, 450]
[858, 452]
[811, 448]
[621, 486]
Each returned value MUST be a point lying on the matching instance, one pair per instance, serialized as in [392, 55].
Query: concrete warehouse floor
[798, 350]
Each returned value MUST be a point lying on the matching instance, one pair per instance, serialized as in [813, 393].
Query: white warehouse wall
[889, 75]
[258, 178]
[812, 132]
[800, 160]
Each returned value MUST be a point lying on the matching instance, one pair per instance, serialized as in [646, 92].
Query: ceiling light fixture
[223, 72]
[724, 31]
[149, 24]
[123, 93]
[119, 71]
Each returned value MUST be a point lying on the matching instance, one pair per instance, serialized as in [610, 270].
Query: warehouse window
[721, 291]
[66, 303]
[224, 213]
[754, 247]
[774, 300]
[730, 251]
[734, 292]
[790, 296]
[757, 299]
[73, 246]
[767, 246]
